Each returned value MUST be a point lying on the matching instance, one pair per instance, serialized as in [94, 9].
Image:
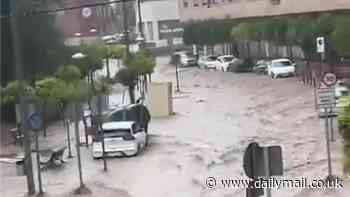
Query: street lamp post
[141, 34]
[18, 64]
[126, 32]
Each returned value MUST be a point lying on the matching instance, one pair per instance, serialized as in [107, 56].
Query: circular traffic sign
[329, 79]
[86, 12]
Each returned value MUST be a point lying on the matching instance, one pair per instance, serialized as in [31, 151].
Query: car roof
[181, 52]
[206, 56]
[223, 56]
[117, 125]
[281, 60]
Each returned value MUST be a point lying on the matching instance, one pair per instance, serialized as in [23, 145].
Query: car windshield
[212, 58]
[228, 59]
[116, 133]
[281, 64]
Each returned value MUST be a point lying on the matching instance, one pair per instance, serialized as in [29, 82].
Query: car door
[139, 134]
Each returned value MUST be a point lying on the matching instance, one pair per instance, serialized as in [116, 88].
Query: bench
[49, 157]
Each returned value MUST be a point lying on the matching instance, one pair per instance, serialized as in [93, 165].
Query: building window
[276, 2]
[195, 3]
[186, 4]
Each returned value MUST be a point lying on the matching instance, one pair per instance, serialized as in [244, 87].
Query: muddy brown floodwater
[217, 115]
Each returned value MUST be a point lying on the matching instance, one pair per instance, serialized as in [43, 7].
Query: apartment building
[236, 9]
[161, 22]
[76, 24]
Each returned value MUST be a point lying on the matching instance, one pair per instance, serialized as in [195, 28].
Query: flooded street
[217, 114]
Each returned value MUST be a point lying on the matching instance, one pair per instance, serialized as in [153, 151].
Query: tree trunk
[248, 49]
[44, 119]
[145, 83]
[38, 162]
[259, 49]
[66, 126]
[132, 94]
[291, 52]
[107, 67]
[99, 107]
[77, 139]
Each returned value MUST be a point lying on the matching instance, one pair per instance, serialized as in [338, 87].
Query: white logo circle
[86, 12]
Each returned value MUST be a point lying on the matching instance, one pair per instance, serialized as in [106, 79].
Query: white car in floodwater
[124, 138]
[281, 68]
[207, 62]
[225, 61]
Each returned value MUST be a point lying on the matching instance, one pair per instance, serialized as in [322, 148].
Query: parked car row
[224, 63]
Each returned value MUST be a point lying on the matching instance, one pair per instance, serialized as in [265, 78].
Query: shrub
[344, 127]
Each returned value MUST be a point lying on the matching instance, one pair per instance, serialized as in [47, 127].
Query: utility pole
[28, 165]
[140, 18]
[126, 31]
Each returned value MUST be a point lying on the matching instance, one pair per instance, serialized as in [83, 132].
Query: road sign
[326, 97]
[320, 45]
[35, 121]
[329, 79]
[254, 165]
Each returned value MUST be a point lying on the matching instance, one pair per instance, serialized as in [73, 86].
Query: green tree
[92, 60]
[118, 52]
[43, 90]
[47, 41]
[245, 31]
[12, 92]
[138, 64]
[340, 37]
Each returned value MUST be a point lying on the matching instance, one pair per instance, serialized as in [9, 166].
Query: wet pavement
[217, 115]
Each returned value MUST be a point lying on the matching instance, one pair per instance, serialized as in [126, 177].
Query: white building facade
[161, 22]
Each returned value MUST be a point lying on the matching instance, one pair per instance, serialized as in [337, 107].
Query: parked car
[125, 138]
[207, 62]
[225, 61]
[183, 58]
[261, 67]
[281, 68]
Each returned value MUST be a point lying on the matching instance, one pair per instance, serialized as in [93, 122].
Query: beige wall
[256, 8]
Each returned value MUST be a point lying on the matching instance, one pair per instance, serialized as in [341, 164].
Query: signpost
[327, 105]
[35, 123]
[262, 162]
